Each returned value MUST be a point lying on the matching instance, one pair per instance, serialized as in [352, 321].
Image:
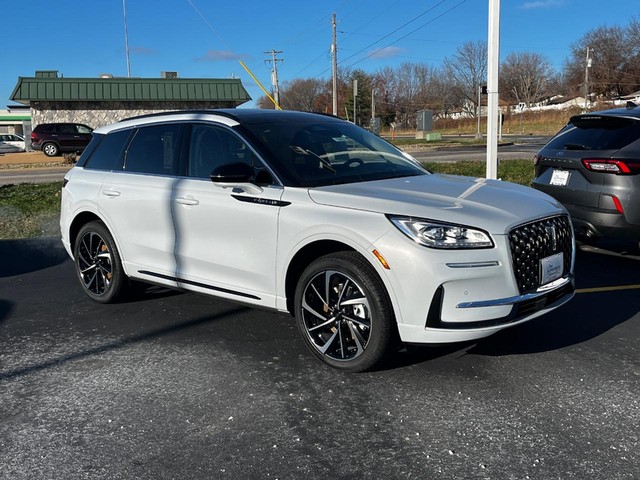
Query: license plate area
[551, 268]
[559, 178]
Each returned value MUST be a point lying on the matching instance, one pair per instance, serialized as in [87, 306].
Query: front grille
[534, 241]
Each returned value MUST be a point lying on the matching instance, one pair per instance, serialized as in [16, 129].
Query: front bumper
[454, 296]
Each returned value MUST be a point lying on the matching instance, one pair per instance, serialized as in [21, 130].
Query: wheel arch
[303, 258]
[79, 221]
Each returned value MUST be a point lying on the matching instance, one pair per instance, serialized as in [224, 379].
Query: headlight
[441, 235]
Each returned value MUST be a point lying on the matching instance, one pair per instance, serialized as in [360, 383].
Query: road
[514, 148]
[32, 175]
[176, 385]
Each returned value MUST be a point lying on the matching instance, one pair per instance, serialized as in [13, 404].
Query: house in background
[53, 98]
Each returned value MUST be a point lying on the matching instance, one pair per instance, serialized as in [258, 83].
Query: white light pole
[492, 88]
[586, 80]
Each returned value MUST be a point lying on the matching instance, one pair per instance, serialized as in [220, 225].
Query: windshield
[328, 152]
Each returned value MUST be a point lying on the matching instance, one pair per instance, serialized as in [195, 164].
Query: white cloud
[386, 52]
[219, 56]
[142, 51]
[543, 4]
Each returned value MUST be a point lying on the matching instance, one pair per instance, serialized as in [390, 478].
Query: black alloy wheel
[343, 312]
[98, 264]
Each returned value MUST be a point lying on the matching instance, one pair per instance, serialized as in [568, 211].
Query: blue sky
[206, 38]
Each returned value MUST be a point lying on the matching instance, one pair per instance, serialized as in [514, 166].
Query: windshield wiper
[323, 163]
[576, 146]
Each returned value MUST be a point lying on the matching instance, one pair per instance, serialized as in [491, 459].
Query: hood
[492, 205]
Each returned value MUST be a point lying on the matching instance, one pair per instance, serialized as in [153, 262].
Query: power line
[215, 32]
[410, 33]
[389, 34]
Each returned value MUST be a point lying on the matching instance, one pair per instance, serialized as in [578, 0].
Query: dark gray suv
[592, 166]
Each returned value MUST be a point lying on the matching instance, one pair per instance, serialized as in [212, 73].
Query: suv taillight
[607, 165]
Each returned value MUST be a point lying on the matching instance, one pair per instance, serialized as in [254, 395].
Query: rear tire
[98, 264]
[50, 149]
[344, 313]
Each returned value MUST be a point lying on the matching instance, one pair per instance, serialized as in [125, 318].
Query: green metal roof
[52, 89]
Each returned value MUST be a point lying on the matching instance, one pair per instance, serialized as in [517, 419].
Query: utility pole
[586, 80]
[478, 133]
[334, 65]
[274, 73]
[373, 105]
[355, 94]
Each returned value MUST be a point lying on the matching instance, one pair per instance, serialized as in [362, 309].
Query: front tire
[343, 312]
[98, 264]
[50, 149]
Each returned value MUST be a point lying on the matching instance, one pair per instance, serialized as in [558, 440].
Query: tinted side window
[596, 133]
[83, 129]
[108, 154]
[155, 150]
[64, 129]
[211, 147]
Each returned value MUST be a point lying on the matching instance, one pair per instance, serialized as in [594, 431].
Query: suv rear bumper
[596, 222]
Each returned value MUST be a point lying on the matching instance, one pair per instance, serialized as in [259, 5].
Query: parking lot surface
[175, 385]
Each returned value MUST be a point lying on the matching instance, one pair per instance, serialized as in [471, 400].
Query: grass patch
[29, 210]
[516, 171]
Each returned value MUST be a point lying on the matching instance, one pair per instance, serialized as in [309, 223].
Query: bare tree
[384, 82]
[468, 69]
[614, 53]
[405, 90]
[445, 96]
[524, 77]
[308, 95]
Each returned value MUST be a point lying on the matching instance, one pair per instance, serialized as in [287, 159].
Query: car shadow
[607, 287]
[5, 309]
[409, 354]
[119, 343]
[29, 255]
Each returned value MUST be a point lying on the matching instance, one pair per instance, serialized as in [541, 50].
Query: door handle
[111, 193]
[187, 201]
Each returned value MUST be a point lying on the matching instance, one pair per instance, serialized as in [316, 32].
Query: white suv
[312, 215]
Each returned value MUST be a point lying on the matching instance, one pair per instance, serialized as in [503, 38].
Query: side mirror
[237, 176]
[232, 173]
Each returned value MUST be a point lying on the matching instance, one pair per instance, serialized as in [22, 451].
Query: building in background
[53, 98]
[14, 119]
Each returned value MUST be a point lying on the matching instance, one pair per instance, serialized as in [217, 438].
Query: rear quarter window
[109, 152]
[596, 132]
[83, 129]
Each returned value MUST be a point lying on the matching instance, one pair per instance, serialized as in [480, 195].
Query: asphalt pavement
[177, 385]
